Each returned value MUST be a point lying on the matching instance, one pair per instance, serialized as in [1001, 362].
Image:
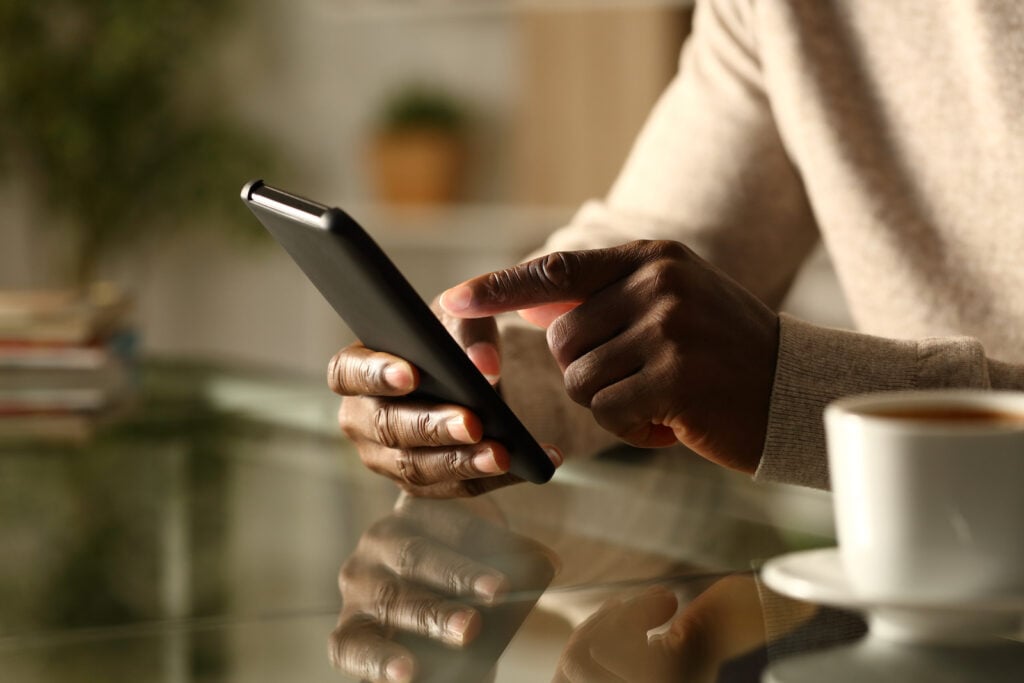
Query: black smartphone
[384, 311]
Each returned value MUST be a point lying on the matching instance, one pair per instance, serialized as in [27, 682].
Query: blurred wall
[310, 76]
[588, 82]
[554, 98]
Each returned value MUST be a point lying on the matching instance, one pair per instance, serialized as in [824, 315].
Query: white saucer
[817, 576]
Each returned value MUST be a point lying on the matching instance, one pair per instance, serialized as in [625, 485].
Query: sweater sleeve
[709, 168]
[817, 365]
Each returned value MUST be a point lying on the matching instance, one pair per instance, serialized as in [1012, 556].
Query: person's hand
[656, 342]
[613, 645]
[430, 450]
[421, 571]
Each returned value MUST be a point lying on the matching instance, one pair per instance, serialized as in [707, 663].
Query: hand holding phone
[434, 450]
[420, 411]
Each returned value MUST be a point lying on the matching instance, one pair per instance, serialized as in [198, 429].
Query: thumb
[478, 337]
[650, 609]
[544, 315]
[561, 277]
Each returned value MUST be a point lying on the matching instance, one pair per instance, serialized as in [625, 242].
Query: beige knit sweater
[892, 131]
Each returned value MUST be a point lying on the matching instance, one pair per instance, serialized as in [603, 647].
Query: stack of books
[65, 360]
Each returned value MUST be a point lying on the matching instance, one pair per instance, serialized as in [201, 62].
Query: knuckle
[410, 469]
[345, 646]
[455, 463]
[386, 601]
[336, 372]
[608, 413]
[409, 555]
[384, 417]
[429, 618]
[499, 286]
[346, 577]
[667, 249]
[457, 578]
[555, 271]
[381, 531]
[549, 274]
[337, 646]
[577, 383]
[452, 462]
[677, 250]
[428, 428]
[664, 320]
[352, 374]
[559, 338]
[460, 466]
[424, 470]
[664, 278]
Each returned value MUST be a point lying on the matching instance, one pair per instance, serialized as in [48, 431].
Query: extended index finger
[559, 277]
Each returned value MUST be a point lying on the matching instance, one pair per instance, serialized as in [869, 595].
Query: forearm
[709, 169]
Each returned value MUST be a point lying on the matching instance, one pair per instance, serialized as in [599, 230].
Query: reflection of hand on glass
[723, 622]
[421, 571]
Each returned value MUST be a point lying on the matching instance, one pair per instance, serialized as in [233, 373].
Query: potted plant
[107, 111]
[418, 148]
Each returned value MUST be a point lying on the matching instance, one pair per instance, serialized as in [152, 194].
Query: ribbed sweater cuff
[815, 366]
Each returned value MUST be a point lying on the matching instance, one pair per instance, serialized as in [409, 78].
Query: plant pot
[417, 167]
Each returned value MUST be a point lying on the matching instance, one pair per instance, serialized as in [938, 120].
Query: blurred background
[460, 132]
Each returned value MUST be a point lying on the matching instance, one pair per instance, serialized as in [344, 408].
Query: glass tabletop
[219, 528]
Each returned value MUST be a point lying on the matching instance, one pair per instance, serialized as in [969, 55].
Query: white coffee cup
[928, 489]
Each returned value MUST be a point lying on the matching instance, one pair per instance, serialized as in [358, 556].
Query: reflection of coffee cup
[929, 495]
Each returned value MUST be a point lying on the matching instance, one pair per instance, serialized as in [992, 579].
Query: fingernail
[489, 586]
[399, 669]
[398, 376]
[457, 299]
[555, 455]
[485, 462]
[457, 429]
[462, 627]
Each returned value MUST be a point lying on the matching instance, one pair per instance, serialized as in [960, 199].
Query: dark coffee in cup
[951, 414]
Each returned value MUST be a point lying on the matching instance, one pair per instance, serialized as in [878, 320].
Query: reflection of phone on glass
[385, 312]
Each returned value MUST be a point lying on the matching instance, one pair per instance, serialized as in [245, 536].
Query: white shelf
[363, 10]
[460, 227]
